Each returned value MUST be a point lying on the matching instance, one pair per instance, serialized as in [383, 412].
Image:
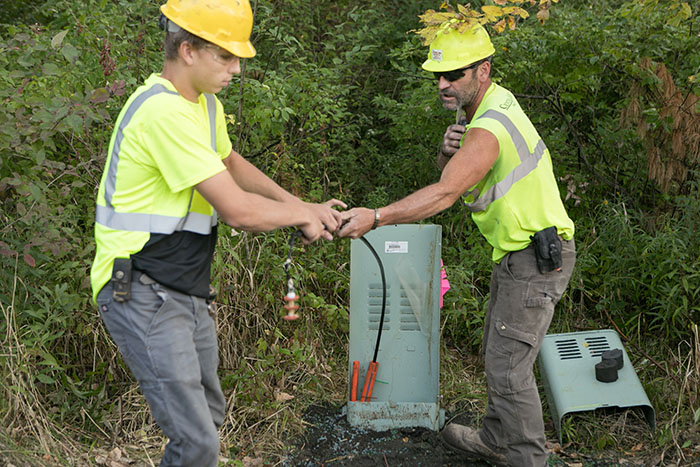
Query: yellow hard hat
[226, 23]
[452, 50]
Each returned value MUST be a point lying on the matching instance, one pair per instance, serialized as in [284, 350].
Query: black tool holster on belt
[547, 250]
[121, 279]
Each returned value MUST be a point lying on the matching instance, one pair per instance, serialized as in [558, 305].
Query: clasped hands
[352, 223]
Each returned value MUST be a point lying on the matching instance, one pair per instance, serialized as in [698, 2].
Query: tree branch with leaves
[505, 13]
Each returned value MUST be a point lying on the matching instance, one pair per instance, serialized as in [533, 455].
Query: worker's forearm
[244, 210]
[417, 206]
[255, 213]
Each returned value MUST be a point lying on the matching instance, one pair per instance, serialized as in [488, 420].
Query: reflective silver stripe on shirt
[143, 222]
[211, 110]
[528, 163]
[153, 223]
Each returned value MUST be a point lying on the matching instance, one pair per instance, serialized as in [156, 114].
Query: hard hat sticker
[437, 55]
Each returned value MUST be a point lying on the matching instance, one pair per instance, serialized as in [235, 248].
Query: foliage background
[336, 105]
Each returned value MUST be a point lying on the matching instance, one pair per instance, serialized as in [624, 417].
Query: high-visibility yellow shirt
[519, 194]
[161, 147]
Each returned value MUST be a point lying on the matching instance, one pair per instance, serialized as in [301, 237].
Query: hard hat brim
[240, 49]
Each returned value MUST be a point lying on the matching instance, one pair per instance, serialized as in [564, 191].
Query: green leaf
[50, 360]
[44, 378]
[74, 122]
[26, 61]
[70, 52]
[58, 39]
[50, 69]
[36, 192]
[40, 156]
[687, 12]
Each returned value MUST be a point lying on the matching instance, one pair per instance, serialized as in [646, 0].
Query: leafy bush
[334, 105]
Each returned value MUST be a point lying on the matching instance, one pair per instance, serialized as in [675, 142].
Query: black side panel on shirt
[181, 261]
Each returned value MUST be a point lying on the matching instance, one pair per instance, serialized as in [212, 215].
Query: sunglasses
[219, 55]
[454, 75]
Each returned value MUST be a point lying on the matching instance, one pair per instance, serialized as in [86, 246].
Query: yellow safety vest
[519, 195]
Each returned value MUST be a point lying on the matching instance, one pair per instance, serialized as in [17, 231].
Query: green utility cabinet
[406, 390]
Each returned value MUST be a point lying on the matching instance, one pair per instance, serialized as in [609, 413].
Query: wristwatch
[376, 218]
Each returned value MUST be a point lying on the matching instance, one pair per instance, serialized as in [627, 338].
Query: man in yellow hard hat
[170, 169]
[495, 160]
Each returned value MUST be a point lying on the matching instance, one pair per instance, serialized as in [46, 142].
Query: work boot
[467, 440]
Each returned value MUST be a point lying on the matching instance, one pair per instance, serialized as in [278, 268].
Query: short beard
[450, 106]
[462, 100]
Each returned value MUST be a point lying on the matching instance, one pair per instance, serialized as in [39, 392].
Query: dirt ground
[331, 441]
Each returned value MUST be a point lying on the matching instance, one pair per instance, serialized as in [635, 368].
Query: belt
[145, 279]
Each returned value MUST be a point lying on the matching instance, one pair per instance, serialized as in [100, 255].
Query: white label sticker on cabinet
[395, 247]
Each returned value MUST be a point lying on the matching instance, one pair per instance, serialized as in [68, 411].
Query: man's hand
[330, 219]
[356, 222]
[313, 230]
[451, 139]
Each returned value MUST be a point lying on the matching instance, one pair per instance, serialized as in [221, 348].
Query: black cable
[290, 284]
[288, 262]
[381, 318]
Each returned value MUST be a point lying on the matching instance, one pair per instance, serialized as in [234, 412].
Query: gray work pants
[520, 310]
[168, 340]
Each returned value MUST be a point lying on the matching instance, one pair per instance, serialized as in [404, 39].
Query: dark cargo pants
[520, 310]
[168, 340]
